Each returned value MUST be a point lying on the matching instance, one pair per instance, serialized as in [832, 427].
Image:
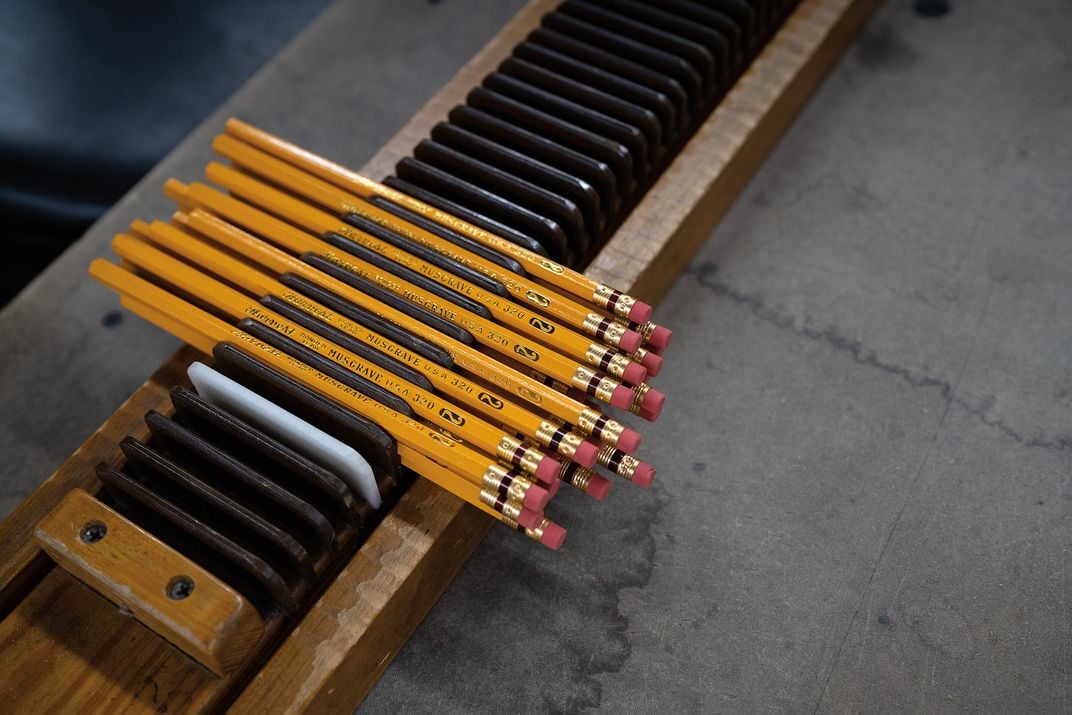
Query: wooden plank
[66, 649]
[358, 626]
[180, 601]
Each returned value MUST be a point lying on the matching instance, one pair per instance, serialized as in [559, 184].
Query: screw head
[92, 532]
[179, 588]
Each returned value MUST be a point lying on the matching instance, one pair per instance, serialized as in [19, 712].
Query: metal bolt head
[179, 588]
[92, 532]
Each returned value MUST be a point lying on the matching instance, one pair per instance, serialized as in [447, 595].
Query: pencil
[506, 311]
[505, 491]
[342, 203]
[431, 407]
[559, 361]
[574, 283]
[253, 281]
[587, 420]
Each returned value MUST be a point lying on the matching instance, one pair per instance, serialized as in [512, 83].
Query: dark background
[93, 94]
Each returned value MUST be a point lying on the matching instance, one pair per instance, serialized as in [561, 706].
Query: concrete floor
[865, 500]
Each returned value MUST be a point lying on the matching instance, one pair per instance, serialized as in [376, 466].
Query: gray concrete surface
[864, 501]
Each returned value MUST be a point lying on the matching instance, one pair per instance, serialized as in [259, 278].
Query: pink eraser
[653, 362]
[653, 401]
[621, 397]
[651, 415]
[634, 373]
[643, 475]
[548, 469]
[631, 340]
[628, 440]
[640, 312]
[553, 536]
[586, 453]
[660, 337]
[553, 487]
[529, 519]
[536, 498]
[598, 487]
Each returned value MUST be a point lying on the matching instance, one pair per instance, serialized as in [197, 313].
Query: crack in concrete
[705, 275]
[904, 505]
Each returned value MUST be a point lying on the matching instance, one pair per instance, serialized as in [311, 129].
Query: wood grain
[67, 649]
[365, 616]
[212, 623]
[358, 626]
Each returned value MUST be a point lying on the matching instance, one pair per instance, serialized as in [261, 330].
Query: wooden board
[365, 616]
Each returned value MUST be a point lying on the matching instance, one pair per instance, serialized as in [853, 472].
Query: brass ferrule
[587, 421]
[580, 478]
[581, 377]
[605, 389]
[546, 431]
[624, 306]
[537, 533]
[594, 354]
[496, 477]
[569, 443]
[646, 329]
[605, 358]
[510, 510]
[626, 464]
[611, 430]
[638, 397]
[614, 333]
[617, 364]
[603, 295]
[592, 324]
[639, 355]
[511, 450]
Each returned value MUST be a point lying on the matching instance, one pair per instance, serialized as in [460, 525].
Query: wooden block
[163, 589]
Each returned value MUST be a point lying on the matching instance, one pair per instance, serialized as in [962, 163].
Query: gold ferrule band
[594, 354]
[638, 397]
[646, 329]
[569, 443]
[582, 376]
[592, 323]
[545, 433]
[613, 334]
[605, 388]
[626, 464]
[494, 476]
[624, 306]
[603, 295]
[617, 364]
[537, 533]
[581, 477]
[512, 451]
